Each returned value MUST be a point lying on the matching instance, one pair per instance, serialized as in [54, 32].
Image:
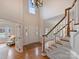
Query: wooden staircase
[61, 32]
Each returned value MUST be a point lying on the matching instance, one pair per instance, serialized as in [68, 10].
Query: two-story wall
[17, 11]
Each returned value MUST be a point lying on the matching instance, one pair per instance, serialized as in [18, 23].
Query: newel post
[43, 45]
[68, 20]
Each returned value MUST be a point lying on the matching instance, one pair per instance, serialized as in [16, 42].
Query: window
[32, 9]
[4, 32]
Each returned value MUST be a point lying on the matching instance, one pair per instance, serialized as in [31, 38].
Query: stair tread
[76, 24]
[59, 43]
[49, 49]
[64, 40]
[55, 50]
[73, 30]
[54, 46]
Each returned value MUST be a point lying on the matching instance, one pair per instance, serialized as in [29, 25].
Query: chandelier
[37, 3]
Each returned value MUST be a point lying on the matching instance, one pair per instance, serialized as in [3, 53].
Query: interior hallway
[31, 52]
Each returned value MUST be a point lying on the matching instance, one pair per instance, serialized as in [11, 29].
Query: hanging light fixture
[37, 3]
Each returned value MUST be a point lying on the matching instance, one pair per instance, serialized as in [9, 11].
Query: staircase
[56, 43]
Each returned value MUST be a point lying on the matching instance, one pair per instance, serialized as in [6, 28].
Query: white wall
[11, 10]
[74, 41]
[32, 23]
[53, 8]
[17, 11]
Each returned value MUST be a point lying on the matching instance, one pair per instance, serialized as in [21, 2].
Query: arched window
[32, 9]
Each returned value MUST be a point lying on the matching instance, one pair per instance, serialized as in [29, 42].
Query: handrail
[72, 5]
[62, 18]
[58, 23]
[62, 28]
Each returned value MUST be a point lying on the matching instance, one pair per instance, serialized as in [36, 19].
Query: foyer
[39, 29]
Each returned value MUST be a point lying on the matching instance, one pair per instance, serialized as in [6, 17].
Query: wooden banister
[58, 23]
[67, 9]
[72, 5]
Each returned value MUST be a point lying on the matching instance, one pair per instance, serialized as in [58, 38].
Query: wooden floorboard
[32, 51]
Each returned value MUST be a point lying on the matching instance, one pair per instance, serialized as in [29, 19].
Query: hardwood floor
[30, 52]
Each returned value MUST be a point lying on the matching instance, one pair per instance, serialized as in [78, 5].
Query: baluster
[55, 42]
[63, 39]
[72, 24]
[54, 45]
[58, 30]
[65, 27]
[76, 12]
[55, 38]
[62, 33]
